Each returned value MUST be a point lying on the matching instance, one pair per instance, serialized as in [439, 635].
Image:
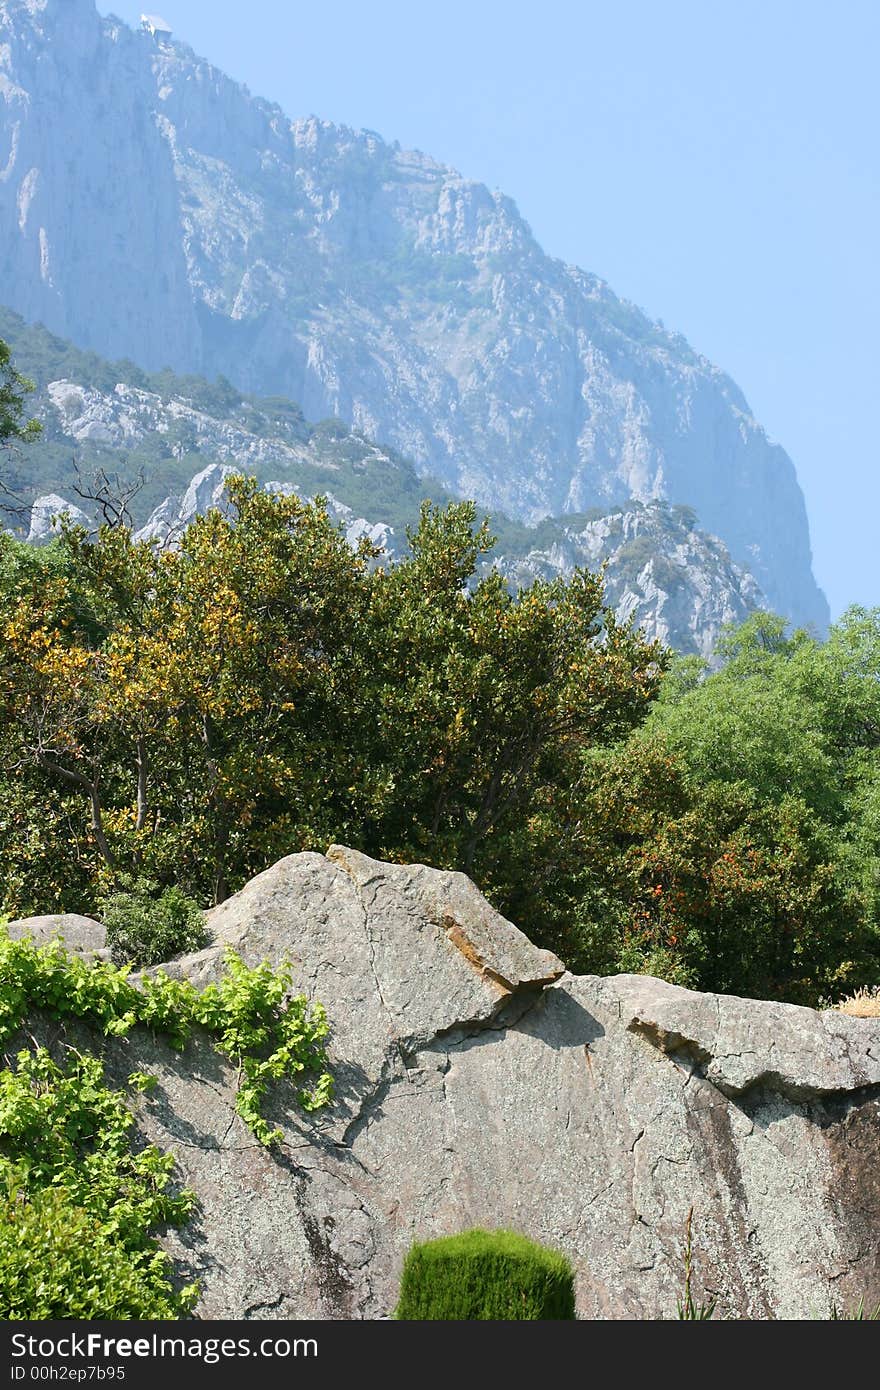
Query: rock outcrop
[480, 1084]
[82, 936]
[46, 516]
[182, 221]
[675, 582]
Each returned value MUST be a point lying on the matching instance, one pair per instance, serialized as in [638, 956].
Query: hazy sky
[716, 162]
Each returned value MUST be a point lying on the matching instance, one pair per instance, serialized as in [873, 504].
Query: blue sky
[717, 162]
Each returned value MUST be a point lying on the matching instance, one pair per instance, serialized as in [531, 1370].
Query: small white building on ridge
[155, 26]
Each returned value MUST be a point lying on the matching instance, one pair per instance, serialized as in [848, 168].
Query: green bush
[634, 555]
[485, 1276]
[146, 928]
[59, 1261]
[80, 1206]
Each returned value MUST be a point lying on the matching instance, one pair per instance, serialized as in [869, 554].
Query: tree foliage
[193, 714]
[146, 926]
[14, 428]
[182, 716]
[736, 833]
[79, 1207]
[14, 389]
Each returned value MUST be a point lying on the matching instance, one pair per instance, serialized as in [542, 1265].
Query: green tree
[14, 428]
[483, 702]
[261, 688]
[187, 696]
[188, 715]
[14, 390]
[736, 833]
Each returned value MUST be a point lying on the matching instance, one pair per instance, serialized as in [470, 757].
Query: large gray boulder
[82, 936]
[478, 1084]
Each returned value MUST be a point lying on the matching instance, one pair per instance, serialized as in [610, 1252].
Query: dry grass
[865, 1003]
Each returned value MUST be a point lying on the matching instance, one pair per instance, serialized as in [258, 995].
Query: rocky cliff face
[676, 583]
[150, 207]
[187, 436]
[478, 1084]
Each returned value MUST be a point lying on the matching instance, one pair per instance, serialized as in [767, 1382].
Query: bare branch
[109, 493]
[11, 502]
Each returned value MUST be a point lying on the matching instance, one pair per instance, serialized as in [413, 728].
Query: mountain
[186, 435]
[151, 208]
[115, 416]
[675, 581]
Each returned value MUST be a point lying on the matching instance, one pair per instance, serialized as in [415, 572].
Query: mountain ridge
[367, 282]
[187, 435]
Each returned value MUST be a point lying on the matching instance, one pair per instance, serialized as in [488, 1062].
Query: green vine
[250, 1014]
[80, 1206]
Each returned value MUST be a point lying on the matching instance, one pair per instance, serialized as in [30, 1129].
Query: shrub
[147, 929]
[633, 555]
[668, 575]
[250, 1014]
[863, 1003]
[59, 1261]
[80, 1207]
[485, 1276]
